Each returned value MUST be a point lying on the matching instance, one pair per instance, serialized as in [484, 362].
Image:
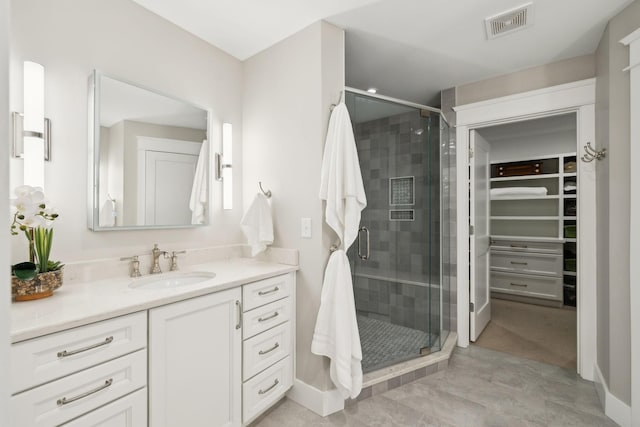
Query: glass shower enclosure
[401, 288]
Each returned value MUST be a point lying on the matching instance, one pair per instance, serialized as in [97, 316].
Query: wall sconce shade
[32, 130]
[224, 166]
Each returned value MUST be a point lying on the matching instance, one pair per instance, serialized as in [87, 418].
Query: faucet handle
[174, 260]
[134, 270]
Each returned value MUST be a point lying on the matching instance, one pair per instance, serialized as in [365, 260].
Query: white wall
[288, 91]
[4, 212]
[71, 38]
[613, 177]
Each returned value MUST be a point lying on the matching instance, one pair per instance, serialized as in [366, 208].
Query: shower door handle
[362, 256]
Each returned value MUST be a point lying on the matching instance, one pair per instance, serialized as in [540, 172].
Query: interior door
[480, 238]
[168, 183]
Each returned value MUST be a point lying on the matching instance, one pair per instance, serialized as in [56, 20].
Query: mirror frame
[93, 206]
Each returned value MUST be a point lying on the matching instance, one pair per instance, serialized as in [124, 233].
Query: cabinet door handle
[239, 309]
[64, 400]
[519, 263]
[263, 352]
[264, 319]
[66, 353]
[523, 285]
[263, 293]
[519, 246]
[268, 389]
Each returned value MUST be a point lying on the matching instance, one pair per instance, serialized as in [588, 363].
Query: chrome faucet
[134, 268]
[156, 255]
[174, 260]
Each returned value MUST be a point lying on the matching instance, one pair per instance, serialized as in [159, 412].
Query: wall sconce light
[31, 131]
[224, 166]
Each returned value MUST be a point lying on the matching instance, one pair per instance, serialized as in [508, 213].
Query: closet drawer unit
[514, 262]
[529, 247]
[128, 411]
[46, 358]
[264, 389]
[69, 397]
[262, 351]
[265, 291]
[262, 318]
[529, 286]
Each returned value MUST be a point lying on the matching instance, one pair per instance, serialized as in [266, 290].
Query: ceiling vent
[510, 21]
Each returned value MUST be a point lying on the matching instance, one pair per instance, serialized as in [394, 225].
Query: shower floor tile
[384, 344]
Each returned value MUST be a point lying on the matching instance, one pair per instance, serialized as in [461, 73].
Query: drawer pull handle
[239, 309]
[523, 285]
[268, 389]
[263, 352]
[264, 319]
[263, 293]
[64, 400]
[519, 263]
[519, 246]
[66, 353]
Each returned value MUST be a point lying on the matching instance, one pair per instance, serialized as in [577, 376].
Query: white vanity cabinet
[66, 376]
[195, 361]
[268, 343]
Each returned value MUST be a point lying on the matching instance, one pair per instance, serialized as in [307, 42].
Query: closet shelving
[549, 219]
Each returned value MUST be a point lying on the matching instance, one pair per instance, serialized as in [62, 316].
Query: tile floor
[481, 388]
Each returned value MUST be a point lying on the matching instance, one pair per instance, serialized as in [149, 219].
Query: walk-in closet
[533, 201]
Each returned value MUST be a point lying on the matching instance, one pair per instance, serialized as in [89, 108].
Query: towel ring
[266, 193]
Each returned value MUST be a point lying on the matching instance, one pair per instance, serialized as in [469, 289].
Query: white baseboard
[614, 408]
[323, 403]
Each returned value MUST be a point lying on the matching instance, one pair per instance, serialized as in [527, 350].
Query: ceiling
[408, 49]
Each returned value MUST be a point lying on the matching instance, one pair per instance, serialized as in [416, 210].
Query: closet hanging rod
[266, 193]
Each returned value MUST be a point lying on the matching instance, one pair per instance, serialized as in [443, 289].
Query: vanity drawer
[264, 389]
[262, 318]
[262, 351]
[265, 291]
[543, 264]
[84, 391]
[529, 286]
[128, 411]
[532, 247]
[43, 359]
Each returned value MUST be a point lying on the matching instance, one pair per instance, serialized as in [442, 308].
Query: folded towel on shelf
[518, 191]
[199, 189]
[257, 224]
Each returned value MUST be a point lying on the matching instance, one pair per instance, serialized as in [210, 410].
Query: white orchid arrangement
[34, 217]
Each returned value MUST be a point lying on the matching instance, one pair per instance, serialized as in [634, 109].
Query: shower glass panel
[398, 256]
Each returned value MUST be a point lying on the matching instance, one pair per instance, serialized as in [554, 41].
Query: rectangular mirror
[148, 158]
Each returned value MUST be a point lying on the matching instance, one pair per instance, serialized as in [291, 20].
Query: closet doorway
[531, 219]
[524, 243]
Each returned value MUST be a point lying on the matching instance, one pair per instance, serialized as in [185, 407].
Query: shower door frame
[579, 98]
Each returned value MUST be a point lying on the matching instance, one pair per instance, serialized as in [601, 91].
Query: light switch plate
[305, 228]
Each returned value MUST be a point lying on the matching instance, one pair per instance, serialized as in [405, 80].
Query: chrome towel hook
[266, 193]
[591, 154]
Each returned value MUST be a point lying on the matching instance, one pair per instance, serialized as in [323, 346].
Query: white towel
[199, 190]
[341, 180]
[518, 191]
[336, 335]
[108, 214]
[257, 224]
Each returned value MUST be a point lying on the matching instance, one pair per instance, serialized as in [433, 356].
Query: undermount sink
[172, 280]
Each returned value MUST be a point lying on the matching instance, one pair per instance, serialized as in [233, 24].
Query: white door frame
[633, 41]
[577, 97]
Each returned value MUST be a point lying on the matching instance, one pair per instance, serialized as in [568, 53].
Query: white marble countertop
[86, 302]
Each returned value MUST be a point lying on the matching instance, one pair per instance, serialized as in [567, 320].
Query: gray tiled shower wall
[400, 146]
